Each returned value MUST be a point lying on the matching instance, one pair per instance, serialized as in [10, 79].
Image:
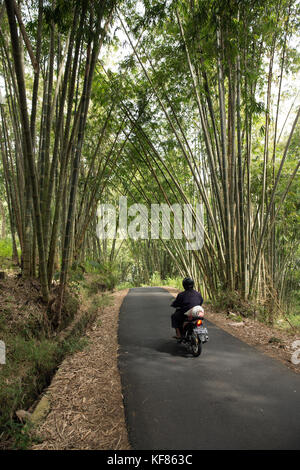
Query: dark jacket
[187, 299]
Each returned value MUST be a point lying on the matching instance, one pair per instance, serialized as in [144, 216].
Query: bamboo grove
[41, 150]
[192, 114]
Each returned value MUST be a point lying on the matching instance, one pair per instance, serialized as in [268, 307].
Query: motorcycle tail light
[199, 322]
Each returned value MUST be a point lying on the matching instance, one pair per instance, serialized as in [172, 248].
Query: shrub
[232, 301]
[107, 275]
[29, 369]
[5, 248]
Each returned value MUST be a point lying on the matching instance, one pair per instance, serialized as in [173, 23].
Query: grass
[156, 280]
[5, 248]
[32, 356]
[125, 285]
[265, 313]
[6, 252]
[29, 368]
[293, 319]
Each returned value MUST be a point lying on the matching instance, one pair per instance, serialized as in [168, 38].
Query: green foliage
[29, 369]
[70, 307]
[295, 320]
[107, 275]
[5, 248]
[125, 285]
[23, 434]
[33, 355]
[99, 302]
[174, 282]
[233, 302]
[156, 280]
[139, 152]
[235, 317]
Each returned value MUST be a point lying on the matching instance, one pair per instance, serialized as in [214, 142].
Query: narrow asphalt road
[231, 397]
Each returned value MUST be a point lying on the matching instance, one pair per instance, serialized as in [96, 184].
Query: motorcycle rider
[187, 303]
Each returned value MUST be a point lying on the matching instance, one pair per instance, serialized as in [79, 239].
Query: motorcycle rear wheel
[196, 345]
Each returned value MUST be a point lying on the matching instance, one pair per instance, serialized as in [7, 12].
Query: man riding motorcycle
[188, 304]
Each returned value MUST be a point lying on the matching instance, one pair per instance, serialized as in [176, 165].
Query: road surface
[231, 397]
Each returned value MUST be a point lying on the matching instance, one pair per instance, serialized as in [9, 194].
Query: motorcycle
[194, 334]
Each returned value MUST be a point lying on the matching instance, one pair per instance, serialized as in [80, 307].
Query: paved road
[231, 397]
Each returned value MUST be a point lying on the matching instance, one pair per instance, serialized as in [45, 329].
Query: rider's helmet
[188, 283]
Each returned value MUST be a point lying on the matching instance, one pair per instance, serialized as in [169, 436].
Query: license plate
[201, 331]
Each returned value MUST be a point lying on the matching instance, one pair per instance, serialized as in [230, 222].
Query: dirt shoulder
[271, 341]
[86, 403]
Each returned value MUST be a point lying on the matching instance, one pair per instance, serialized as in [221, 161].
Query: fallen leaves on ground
[86, 400]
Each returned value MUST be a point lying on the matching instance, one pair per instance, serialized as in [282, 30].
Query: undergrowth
[267, 312]
[156, 280]
[33, 355]
[30, 365]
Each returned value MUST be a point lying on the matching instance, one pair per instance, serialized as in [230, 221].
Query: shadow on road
[173, 348]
